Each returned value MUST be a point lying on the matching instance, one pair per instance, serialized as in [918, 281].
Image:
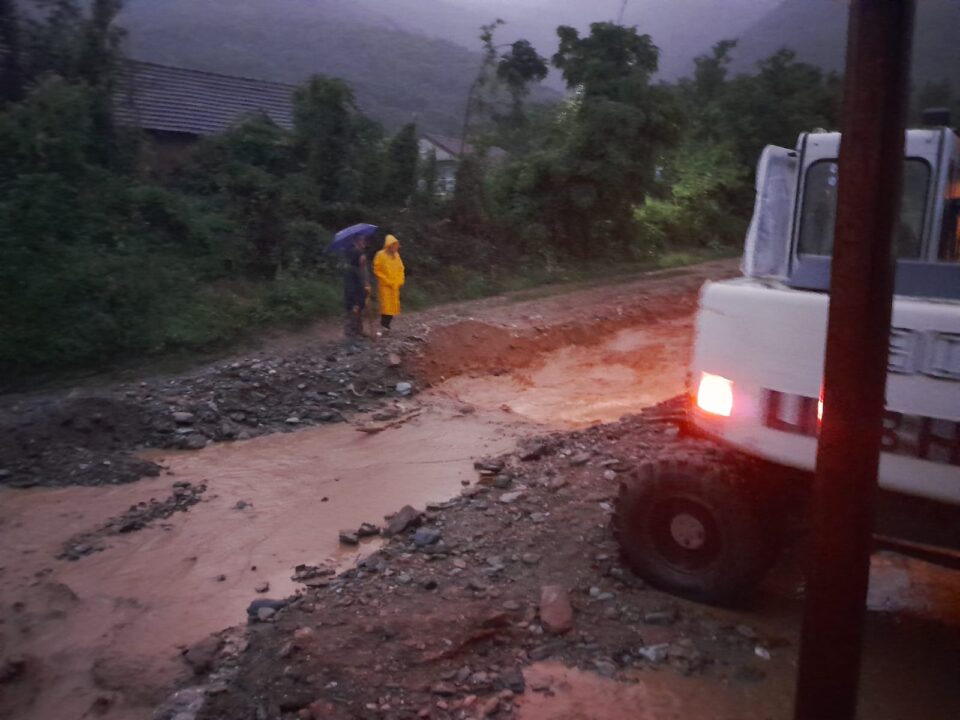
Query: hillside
[816, 29]
[398, 75]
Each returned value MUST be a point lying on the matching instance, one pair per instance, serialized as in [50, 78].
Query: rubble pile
[87, 440]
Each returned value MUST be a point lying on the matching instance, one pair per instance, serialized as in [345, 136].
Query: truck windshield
[819, 213]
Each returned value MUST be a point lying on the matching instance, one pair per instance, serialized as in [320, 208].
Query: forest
[102, 260]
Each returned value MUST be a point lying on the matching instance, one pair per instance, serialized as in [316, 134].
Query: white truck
[709, 531]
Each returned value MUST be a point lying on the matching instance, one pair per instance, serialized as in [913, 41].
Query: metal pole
[871, 168]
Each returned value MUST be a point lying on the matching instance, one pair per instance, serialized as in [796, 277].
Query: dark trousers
[385, 321]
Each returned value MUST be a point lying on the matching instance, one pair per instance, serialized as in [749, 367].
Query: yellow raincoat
[390, 277]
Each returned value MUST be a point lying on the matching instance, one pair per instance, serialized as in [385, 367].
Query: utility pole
[623, 10]
[861, 293]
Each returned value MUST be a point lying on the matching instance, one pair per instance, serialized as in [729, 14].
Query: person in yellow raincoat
[389, 271]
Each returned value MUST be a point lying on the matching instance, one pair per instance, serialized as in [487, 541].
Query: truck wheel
[695, 531]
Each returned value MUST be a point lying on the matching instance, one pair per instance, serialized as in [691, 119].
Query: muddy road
[138, 518]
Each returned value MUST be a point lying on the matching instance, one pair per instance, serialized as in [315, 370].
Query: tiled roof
[158, 97]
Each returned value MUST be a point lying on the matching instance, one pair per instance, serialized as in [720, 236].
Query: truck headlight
[715, 395]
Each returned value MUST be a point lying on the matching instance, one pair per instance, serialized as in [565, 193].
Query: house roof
[194, 102]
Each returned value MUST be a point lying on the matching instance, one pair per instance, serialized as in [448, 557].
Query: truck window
[819, 211]
[950, 233]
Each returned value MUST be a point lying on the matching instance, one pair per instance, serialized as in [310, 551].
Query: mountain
[406, 59]
[398, 75]
[816, 30]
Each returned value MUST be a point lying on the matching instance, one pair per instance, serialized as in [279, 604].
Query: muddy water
[111, 625]
[581, 385]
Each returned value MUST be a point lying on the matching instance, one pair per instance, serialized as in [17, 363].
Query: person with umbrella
[356, 276]
[390, 273]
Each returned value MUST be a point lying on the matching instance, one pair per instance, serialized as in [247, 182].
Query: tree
[403, 155]
[581, 187]
[468, 207]
[324, 113]
[606, 63]
[519, 68]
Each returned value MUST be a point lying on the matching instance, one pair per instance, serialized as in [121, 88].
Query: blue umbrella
[344, 239]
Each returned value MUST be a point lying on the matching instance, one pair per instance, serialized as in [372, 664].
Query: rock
[348, 537]
[194, 441]
[426, 536]
[661, 617]
[556, 614]
[201, 656]
[556, 483]
[292, 420]
[242, 505]
[303, 633]
[183, 418]
[406, 518]
[511, 497]
[502, 482]
[534, 450]
[511, 605]
[581, 458]
[262, 587]
[394, 360]
[747, 632]
[444, 689]
[530, 558]
[367, 530]
[265, 613]
[489, 707]
[609, 475]
[605, 668]
[653, 653]
[513, 681]
[404, 388]
[489, 467]
[253, 610]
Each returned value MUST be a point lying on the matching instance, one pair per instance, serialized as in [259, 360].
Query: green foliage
[599, 156]
[326, 132]
[518, 69]
[607, 63]
[403, 156]
[786, 97]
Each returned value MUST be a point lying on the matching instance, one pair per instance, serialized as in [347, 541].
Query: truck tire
[695, 531]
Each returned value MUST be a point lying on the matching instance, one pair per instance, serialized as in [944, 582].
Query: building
[177, 106]
[448, 152]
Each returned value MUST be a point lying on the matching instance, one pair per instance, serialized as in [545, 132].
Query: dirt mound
[472, 346]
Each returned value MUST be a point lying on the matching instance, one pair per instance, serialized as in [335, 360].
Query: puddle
[112, 623]
[581, 385]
